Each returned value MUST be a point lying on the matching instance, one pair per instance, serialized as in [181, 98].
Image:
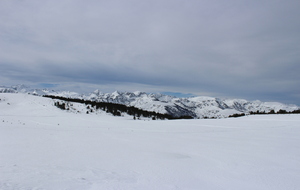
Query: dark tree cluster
[296, 112]
[237, 115]
[264, 113]
[278, 112]
[115, 109]
[60, 105]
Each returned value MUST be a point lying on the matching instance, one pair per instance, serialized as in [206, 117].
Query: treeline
[278, 112]
[264, 113]
[115, 109]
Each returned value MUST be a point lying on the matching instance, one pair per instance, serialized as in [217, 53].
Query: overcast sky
[221, 48]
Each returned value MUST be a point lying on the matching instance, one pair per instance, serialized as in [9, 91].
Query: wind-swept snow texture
[45, 148]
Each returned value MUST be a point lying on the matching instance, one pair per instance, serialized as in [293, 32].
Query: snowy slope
[197, 107]
[45, 148]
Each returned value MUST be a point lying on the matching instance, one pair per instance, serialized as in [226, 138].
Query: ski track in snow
[45, 148]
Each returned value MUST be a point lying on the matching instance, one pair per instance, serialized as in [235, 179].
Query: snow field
[43, 147]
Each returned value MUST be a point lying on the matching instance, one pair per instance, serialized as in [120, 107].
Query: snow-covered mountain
[197, 107]
[36, 91]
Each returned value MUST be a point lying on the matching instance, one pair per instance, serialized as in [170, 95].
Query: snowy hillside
[197, 107]
[45, 148]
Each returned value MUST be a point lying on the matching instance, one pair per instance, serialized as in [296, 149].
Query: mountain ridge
[196, 107]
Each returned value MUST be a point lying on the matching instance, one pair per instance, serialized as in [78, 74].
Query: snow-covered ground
[43, 147]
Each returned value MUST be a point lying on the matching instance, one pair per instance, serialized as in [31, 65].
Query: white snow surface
[45, 148]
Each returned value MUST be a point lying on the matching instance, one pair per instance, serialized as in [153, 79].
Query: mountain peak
[97, 92]
[116, 93]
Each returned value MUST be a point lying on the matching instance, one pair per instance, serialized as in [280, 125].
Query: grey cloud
[233, 48]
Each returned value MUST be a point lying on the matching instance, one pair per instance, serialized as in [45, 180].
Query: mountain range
[196, 107]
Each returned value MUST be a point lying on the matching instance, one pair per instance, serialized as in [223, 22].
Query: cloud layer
[245, 49]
